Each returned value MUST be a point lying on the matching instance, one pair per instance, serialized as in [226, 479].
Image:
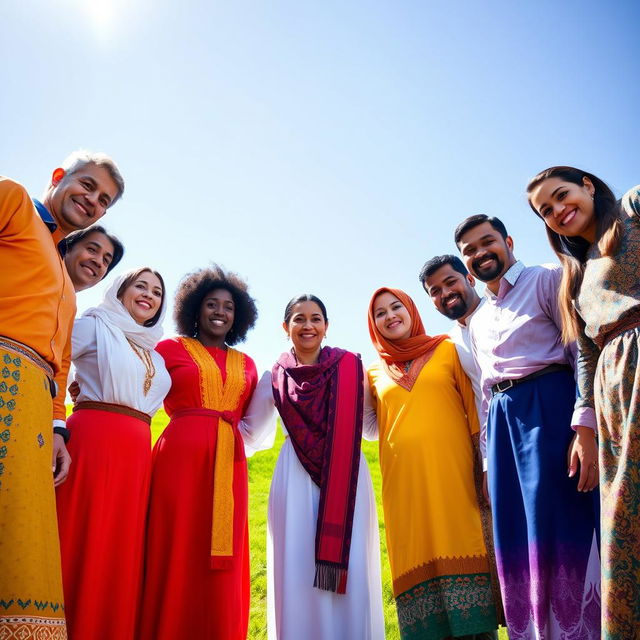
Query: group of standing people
[491, 456]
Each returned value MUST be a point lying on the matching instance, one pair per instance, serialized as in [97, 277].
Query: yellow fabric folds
[222, 398]
[429, 498]
[30, 578]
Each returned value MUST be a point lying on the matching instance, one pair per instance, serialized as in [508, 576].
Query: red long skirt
[183, 597]
[101, 516]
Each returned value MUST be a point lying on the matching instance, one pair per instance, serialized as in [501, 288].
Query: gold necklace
[147, 361]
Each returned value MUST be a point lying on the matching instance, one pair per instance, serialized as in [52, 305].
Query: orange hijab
[403, 359]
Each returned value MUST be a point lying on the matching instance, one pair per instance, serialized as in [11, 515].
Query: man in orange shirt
[37, 308]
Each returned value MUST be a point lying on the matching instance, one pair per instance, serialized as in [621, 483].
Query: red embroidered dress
[197, 564]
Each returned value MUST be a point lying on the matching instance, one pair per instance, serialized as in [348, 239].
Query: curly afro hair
[192, 291]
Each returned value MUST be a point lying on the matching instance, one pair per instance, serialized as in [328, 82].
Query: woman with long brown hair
[597, 240]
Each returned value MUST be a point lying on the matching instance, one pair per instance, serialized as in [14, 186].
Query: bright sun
[105, 15]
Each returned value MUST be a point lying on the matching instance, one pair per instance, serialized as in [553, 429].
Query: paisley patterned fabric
[618, 411]
[609, 299]
[609, 294]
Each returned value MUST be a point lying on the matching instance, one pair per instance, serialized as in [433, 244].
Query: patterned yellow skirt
[31, 603]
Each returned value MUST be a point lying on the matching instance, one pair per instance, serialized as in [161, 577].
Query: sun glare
[105, 16]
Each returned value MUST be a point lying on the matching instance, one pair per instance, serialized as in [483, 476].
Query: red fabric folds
[102, 510]
[183, 597]
[321, 406]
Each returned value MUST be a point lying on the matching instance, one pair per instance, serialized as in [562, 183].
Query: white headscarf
[114, 325]
[112, 313]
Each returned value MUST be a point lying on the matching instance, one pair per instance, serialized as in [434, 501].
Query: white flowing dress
[297, 609]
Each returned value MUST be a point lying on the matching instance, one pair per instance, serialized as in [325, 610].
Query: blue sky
[324, 147]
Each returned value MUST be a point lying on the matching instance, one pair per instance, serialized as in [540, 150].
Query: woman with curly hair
[197, 557]
[597, 240]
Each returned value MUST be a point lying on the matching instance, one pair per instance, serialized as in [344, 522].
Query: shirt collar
[465, 325]
[52, 225]
[513, 272]
[508, 280]
[46, 216]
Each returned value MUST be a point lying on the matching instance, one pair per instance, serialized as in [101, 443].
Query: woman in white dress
[323, 556]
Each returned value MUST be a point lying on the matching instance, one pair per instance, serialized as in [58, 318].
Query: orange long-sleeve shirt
[37, 300]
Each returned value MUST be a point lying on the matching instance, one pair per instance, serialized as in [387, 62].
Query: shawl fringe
[330, 577]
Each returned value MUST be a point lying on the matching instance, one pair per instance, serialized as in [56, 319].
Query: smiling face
[88, 260]
[79, 199]
[485, 253]
[215, 320]
[306, 328]
[392, 318]
[143, 297]
[451, 292]
[566, 208]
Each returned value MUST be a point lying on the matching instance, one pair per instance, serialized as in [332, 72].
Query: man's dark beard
[457, 311]
[487, 276]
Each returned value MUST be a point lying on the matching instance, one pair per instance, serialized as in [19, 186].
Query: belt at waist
[630, 322]
[27, 352]
[227, 416]
[113, 408]
[505, 385]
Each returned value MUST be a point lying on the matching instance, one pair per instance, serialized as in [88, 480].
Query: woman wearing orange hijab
[428, 425]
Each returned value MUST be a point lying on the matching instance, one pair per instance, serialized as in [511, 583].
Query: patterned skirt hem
[32, 628]
[454, 605]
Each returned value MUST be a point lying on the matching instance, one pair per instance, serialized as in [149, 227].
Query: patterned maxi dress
[609, 354]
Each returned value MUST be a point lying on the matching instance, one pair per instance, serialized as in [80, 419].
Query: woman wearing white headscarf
[102, 506]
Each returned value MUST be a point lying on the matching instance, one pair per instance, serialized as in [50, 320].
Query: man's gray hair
[78, 159]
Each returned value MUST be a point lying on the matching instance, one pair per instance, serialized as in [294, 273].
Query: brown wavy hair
[572, 251]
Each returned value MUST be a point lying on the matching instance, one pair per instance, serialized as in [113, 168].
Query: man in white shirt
[451, 289]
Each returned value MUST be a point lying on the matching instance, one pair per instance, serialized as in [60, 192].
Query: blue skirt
[544, 529]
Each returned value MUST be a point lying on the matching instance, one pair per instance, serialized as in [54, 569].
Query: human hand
[583, 451]
[61, 460]
[485, 488]
[74, 391]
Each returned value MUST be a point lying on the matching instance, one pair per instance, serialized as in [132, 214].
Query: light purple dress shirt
[517, 332]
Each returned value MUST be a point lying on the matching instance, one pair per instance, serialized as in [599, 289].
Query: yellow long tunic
[432, 518]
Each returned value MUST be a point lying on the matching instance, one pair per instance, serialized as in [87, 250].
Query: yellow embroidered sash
[223, 399]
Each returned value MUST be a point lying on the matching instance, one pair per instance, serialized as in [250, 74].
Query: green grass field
[261, 468]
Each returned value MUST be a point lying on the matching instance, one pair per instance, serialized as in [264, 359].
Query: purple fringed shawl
[321, 406]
